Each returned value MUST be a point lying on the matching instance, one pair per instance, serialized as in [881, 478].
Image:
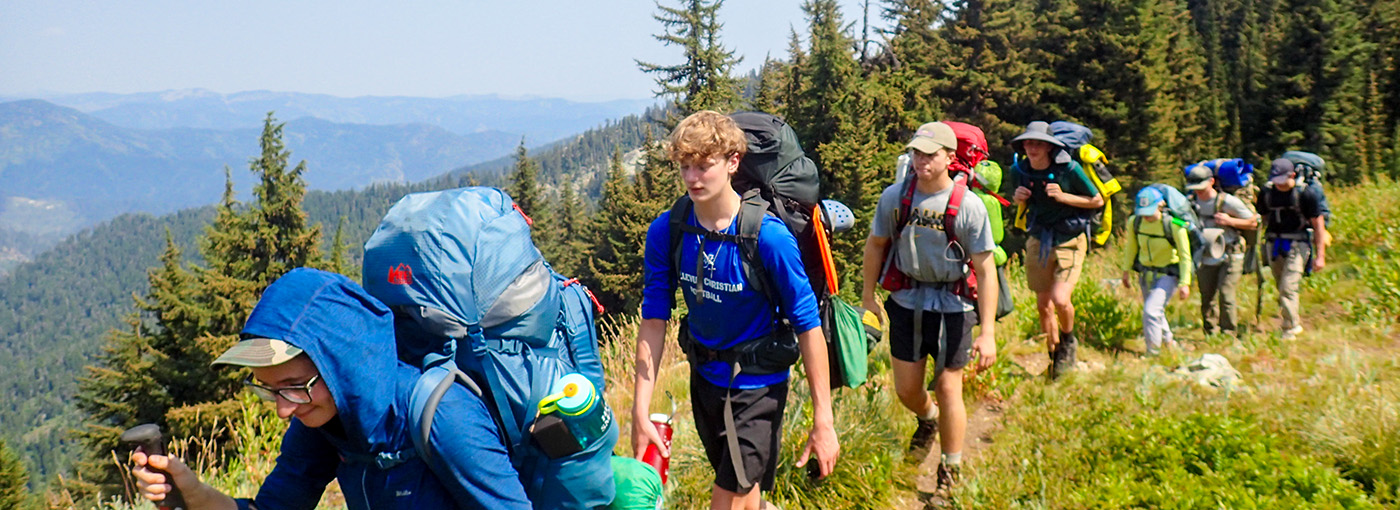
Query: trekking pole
[1259, 292]
[149, 439]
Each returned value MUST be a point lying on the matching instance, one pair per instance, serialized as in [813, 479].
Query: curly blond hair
[706, 134]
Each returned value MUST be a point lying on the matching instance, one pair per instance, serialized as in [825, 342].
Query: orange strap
[823, 244]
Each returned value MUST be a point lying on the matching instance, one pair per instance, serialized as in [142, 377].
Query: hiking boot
[1063, 358]
[922, 440]
[948, 477]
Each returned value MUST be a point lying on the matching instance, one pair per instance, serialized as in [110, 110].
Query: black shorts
[957, 328]
[758, 418]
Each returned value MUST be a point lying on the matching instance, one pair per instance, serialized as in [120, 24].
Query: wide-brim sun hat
[258, 352]
[1038, 130]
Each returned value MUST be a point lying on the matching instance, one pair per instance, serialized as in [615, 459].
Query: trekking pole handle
[149, 439]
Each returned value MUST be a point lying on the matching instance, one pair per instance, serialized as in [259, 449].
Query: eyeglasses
[299, 394]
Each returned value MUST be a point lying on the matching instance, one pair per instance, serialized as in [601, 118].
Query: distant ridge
[59, 154]
[539, 120]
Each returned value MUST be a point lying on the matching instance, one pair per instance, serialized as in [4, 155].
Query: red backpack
[972, 149]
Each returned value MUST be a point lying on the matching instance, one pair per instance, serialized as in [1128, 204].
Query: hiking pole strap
[731, 432]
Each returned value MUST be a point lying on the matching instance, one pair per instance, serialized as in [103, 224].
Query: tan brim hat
[933, 136]
[258, 352]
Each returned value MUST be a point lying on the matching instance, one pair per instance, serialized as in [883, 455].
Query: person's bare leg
[721, 499]
[1060, 294]
[909, 385]
[952, 414]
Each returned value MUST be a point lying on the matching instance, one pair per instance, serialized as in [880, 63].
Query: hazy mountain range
[539, 120]
[71, 161]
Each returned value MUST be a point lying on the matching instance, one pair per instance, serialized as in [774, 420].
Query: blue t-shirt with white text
[730, 311]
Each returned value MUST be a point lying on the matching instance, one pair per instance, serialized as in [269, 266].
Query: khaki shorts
[1064, 264]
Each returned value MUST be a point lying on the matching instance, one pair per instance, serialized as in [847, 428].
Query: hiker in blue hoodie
[323, 350]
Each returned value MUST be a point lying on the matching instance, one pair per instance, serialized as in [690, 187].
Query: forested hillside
[1163, 84]
[55, 310]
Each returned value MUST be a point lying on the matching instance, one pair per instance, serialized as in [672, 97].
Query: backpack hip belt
[1171, 270]
[769, 354]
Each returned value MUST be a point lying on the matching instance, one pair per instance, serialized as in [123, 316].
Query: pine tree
[526, 191]
[158, 370]
[126, 386]
[825, 77]
[620, 236]
[575, 239]
[14, 493]
[772, 82]
[524, 182]
[705, 80]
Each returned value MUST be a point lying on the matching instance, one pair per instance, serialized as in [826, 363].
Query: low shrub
[1104, 318]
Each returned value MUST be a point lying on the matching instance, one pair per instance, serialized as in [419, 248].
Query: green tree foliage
[823, 79]
[157, 369]
[619, 237]
[524, 182]
[574, 240]
[525, 189]
[705, 80]
[14, 492]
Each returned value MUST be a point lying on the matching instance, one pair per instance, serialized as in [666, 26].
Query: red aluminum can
[653, 456]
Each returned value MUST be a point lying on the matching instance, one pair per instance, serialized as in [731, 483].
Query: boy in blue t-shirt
[725, 312]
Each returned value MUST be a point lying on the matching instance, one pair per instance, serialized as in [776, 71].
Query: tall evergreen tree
[574, 241]
[14, 493]
[158, 370]
[825, 77]
[524, 182]
[525, 189]
[705, 80]
[619, 227]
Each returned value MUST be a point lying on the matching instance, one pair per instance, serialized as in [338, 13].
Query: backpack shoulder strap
[906, 204]
[752, 209]
[423, 403]
[679, 218]
[751, 212]
[950, 213]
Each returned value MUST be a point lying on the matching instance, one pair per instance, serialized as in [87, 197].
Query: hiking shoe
[922, 440]
[1063, 358]
[948, 477]
[1292, 333]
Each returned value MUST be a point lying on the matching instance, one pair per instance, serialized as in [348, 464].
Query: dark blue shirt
[729, 311]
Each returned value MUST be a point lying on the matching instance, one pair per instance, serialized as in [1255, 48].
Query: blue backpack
[468, 286]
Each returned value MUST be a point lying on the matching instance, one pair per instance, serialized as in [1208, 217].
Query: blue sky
[574, 49]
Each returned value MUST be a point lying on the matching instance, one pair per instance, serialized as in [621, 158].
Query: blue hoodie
[349, 336]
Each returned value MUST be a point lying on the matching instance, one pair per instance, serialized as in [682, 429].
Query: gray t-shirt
[1233, 206]
[923, 251]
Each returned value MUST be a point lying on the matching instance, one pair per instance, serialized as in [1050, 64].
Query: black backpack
[775, 177]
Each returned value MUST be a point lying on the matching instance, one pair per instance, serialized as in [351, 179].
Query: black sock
[1067, 336]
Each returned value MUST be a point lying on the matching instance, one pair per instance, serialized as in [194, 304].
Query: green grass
[1316, 423]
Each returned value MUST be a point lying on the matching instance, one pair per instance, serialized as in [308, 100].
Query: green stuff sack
[638, 485]
[852, 345]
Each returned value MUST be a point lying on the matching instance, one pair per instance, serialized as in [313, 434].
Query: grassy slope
[1316, 425]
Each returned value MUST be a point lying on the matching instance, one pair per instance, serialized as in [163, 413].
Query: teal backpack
[1182, 213]
[475, 303]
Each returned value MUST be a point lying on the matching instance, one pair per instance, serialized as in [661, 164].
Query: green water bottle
[580, 406]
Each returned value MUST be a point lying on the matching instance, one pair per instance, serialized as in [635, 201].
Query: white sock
[952, 459]
[932, 414]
